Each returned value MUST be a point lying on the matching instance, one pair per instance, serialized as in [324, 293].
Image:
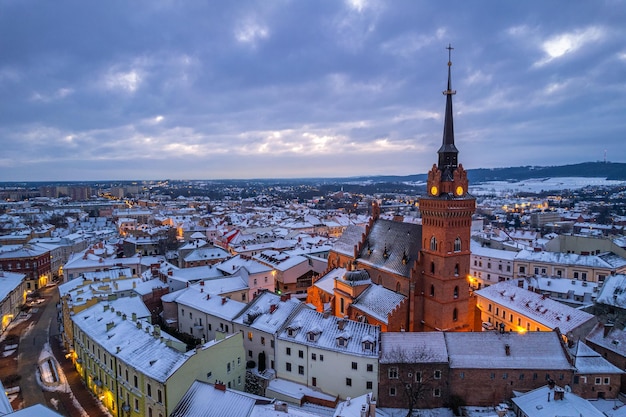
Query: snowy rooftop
[540, 403]
[378, 302]
[355, 334]
[204, 400]
[201, 298]
[615, 339]
[410, 347]
[267, 312]
[532, 350]
[613, 291]
[588, 361]
[9, 281]
[232, 265]
[536, 307]
[327, 282]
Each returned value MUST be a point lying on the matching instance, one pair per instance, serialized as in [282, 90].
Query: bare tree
[416, 370]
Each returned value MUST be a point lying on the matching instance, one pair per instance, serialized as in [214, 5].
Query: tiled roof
[393, 246]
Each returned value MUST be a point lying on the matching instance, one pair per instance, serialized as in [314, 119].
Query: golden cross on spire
[449, 48]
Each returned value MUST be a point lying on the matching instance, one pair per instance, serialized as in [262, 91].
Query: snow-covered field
[536, 185]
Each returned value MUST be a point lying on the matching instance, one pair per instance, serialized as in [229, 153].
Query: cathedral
[403, 276]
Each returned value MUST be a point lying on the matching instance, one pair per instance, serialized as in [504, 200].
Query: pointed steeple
[448, 153]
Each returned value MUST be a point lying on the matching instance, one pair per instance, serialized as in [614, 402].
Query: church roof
[378, 302]
[392, 246]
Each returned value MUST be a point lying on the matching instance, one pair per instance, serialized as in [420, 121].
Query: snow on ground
[19, 319]
[536, 185]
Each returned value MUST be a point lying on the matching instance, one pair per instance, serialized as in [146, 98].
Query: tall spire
[448, 153]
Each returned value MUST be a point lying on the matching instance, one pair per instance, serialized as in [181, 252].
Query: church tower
[447, 211]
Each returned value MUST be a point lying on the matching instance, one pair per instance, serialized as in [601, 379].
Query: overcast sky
[189, 89]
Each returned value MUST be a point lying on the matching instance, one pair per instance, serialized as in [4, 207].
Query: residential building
[12, 297]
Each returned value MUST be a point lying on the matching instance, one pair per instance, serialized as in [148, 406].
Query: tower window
[456, 270]
[432, 290]
[457, 244]
[455, 315]
[456, 292]
[432, 267]
[433, 243]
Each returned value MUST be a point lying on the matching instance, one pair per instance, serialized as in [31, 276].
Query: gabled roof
[588, 361]
[205, 400]
[267, 312]
[378, 302]
[410, 347]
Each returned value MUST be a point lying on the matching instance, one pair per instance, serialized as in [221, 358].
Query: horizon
[304, 90]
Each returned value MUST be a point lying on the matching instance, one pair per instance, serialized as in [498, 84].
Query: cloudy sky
[190, 89]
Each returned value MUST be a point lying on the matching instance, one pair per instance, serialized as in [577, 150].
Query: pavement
[41, 326]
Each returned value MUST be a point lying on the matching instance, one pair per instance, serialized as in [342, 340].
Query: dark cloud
[154, 89]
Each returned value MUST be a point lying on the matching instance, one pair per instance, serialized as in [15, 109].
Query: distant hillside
[608, 170]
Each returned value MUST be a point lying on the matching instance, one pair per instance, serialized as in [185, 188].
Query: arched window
[456, 292]
[432, 290]
[455, 314]
[432, 267]
[433, 243]
[456, 270]
[457, 244]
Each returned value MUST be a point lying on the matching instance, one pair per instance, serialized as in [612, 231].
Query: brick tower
[443, 292]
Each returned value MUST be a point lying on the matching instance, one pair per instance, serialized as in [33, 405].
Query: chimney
[272, 308]
[157, 331]
[219, 385]
[341, 324]
[607, 329]
[201, 290]
[224, 300]
[558, 394]
[208, 296]
[326, 314]
[363, 411]
[507, 350]
[134, 316]
[202, 283]
[170, 272]
[110, 325]
[372, 406]
[285, 297]
[281, 406]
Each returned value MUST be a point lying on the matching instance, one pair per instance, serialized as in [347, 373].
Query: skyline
[153, 90]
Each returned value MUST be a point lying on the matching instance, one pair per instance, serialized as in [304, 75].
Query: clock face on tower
[459, 190]
[434, 190]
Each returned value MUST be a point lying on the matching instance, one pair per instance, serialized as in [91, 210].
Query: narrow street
[69, 397]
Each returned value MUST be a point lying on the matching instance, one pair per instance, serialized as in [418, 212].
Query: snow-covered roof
[356, 335]
[411, 347]
[536, 307]
[378, 302]
[9, 281]
[327, 282]
[613, 291]
[614, 340]
[200, 298]
[588, 361]
[488, 350]
[267, 312]
[205, 400]
[540, 403]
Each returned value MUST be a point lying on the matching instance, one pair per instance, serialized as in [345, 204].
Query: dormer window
[342, 341]
[313, 336]
[368, 346]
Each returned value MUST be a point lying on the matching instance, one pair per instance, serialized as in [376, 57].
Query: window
[505, 375]
[432, 290]
[349, 382]
[321, 358]
[159, 396]
[437, 374]
[135, 381]
[239, 380]
[392, 391]
[598, 381]
[250, 353]
[301, 354]
[607, 380]
[354, 366]
[418, 377]
[433, 243]
[370, 367]
[457, 244]
[369, 385]
[301, 369]
[492, 376]
[249, 335]
[314, 381]
[535, 376]
[136, 404]
[432, 267]
[288, 351]
[262, 340]
[508, 268]
[455, 314]
[536, 271]
[228, 367]
[313, 356]
[522, 269]
[272, 343]
[288, 366]
[393, 373]
[462, 375]
[456, 270]
[456, 292]
[437, 392]
[149, 390]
